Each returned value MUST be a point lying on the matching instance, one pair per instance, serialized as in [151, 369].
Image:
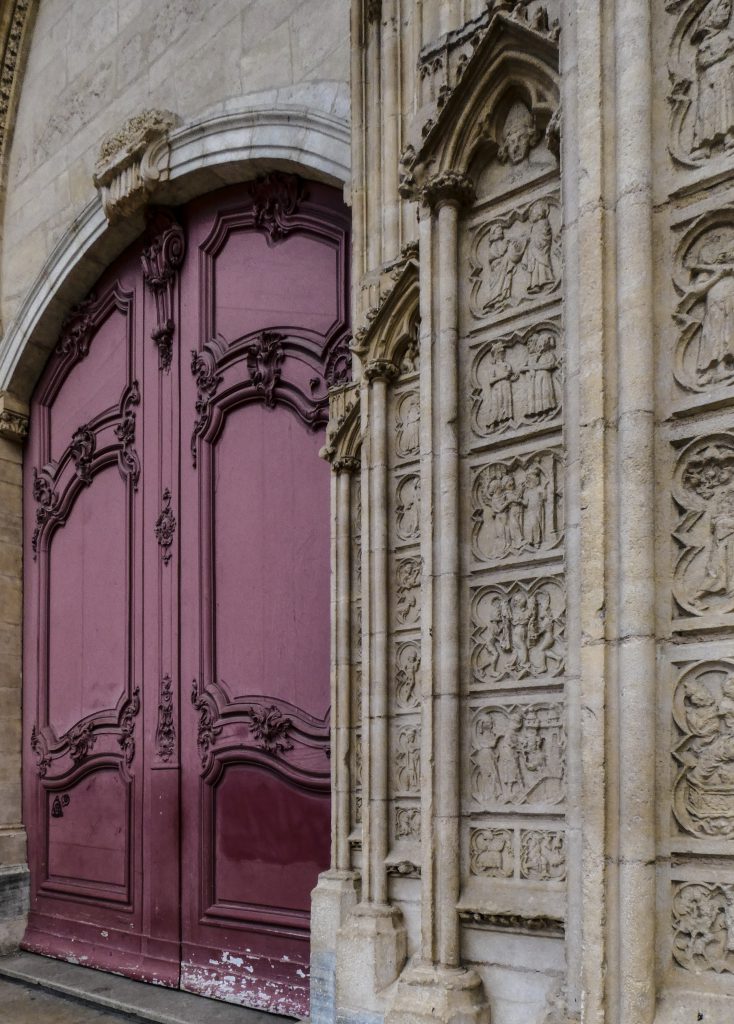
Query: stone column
[438, 988]
[13, 863]
[337, 890]
[372, 945]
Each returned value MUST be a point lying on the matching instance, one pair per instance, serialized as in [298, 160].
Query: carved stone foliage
[516, 381]
[132, 161]
[491, 852]
[275, 198]
[165, 527]
[407, 760]
[407, 425]
[701, 71]
[165, 733]
[704, 280]
[542, 855]
[517, 506]
[13, 424]
[408, 508]
[703, 495]
[161, 260]
[703, 926]
[408, 588]
[408, 675]
[407, 822]
[515, 259]
[518, 630]
[518, 754]
[703, 750]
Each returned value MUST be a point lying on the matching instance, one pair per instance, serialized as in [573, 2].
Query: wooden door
[177, 600]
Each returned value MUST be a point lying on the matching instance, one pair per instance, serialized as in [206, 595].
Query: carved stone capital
[381, 369]
[448, 187]
[346, 464]
[132, 161]
[13, 419]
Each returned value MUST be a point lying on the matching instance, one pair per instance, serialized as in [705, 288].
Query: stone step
[140, 1001]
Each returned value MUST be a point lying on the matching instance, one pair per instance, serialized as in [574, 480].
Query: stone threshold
[140, 1001]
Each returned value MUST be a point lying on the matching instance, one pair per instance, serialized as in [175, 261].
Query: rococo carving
[165, 527]
[518, 754]
[127, 456]
[82, 448]
[208, 727]
[128, 714]
[165, 733]
[132, 161]
[703, 750]
[276, 198]
[264, 360]
[161, 260]
[518, 630]
[270, 728]
[208, 379]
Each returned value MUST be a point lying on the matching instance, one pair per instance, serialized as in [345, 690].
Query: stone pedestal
[371, 951]
[439, 995]
[336, 893]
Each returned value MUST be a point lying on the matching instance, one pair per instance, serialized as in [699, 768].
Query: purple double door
[176, 659]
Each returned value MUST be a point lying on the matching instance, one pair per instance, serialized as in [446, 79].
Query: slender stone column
[390, 108]
[635, 974]
[13, 866]
[440, 989]
[337, 889]
[372, 945]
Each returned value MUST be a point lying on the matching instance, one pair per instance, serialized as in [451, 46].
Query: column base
[371, 949]
[427, 994]
[336, 893]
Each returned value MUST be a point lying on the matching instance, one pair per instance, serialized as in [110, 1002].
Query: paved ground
[26, 1004]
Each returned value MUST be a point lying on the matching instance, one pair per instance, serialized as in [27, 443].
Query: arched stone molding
[222, 147]
[392, 327]
[514, 63]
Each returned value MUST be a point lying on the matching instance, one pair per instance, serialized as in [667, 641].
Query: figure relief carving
[704, 279]
[515, 259]
[408, 579]
[358, 760]
[518, 506]
[276, 198]
[518, 754]
[408, 675]
[408, 760]
[358, 810]
[703, 493]
[703, 750]
[491, 852]
[410, 359]
[519, 134]
[542, 855]
[407, 425]
[165, 527]
[127, 457]
[208, 379]
[702, 80]
[407, 823]
[703, 926]
[516, 381]
[408, 508]
[518, 630]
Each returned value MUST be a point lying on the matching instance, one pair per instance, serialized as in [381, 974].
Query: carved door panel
[267, 330]
[177, 600]
[97, 896]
